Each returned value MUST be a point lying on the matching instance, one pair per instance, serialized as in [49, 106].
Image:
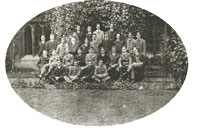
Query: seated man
[46, 69]
[44, 59]
[57, 74]
[73, 73]
[101, 73]
[68, 59]
[73, 46]
[80, 58]
[85, 47]
[90, 61]
[125, 62]
[103, 56]
[113, 69]
[137, 66]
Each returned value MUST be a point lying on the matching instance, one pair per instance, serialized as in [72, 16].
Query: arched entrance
[28, 41]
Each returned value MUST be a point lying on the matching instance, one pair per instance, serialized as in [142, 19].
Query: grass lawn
[95, 107]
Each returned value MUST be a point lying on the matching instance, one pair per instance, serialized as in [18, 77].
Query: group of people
[95, 56]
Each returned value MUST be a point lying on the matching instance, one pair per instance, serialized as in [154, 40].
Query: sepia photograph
[96, 63]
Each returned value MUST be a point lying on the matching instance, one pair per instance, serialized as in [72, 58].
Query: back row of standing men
[98, 55]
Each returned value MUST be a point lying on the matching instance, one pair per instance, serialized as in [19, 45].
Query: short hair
[51, 34]
[106, 34]
[86, 38]
[91, 48]
[102, 48]
[100, 60]
[114, 47]
[123, 46]
[43, 35]
[94, 34]
[138, 34]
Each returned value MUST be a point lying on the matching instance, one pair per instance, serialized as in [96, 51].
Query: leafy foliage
[125, 17]
[175, 57]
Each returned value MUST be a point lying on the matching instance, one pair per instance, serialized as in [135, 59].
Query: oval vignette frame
[164, 67]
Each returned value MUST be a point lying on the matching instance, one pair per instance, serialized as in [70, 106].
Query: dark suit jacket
[41, 47]
[50, 46]
[58, 72]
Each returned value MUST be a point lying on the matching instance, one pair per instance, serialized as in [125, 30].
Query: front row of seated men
[91, 67]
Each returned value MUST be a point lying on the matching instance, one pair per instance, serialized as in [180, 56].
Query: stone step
[28, 62]
[158, 79]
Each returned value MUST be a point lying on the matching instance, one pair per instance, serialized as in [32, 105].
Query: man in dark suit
[51, 44]
[140, 44]
[57, 74]
[106, 43]
[42, 45]
[111, 33]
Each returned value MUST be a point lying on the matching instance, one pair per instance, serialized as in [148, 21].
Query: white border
[181, 114]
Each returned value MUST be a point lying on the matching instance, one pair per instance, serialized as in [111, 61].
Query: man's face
[53, 52]
[44, 53]
[90, 50]
[89, 29]
[124, 49]
[130, 35]
[59, 63]
[100, 63]
[86, 41]
[113, 50]
[111, 26]
[73, 40]
[78, 28]
[135, 51]
[93, 37]
[118, 36]
[66, 51]
[138, 36]
[75, 63]
[102, 51]
[52, 37]
[79, 51]
[43, 38]
[98, 26]
[62, 41]
[106, 37]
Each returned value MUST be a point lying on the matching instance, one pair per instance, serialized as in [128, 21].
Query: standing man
[140, 44]
[99, 33]
[130, 43]
[89, 33]
[73, 47]
[78, 35]
[51, 44]
[61, 48]
[106, 43]
[42, 45]
[95, 43]
[125, 62]
[111, 33]
[118, 43]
